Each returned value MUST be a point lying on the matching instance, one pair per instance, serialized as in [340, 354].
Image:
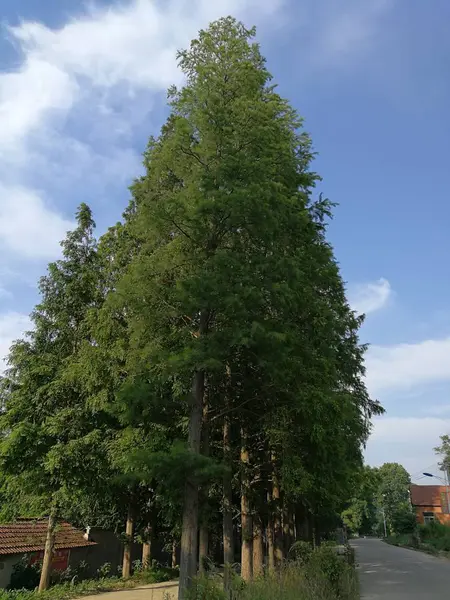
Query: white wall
[6, 567]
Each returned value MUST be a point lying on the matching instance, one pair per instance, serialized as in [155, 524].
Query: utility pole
[447, 482]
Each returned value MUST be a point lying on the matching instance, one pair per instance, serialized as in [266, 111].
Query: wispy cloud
[12, 327]
[404, 366]
[96, 64]
[349, 28]
[407, 440]
[369, 297]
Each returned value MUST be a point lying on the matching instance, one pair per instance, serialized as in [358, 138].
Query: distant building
[431, 503]
[27, 537]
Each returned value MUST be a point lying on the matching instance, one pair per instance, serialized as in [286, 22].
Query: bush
[435, 535]
[24, 576]
[301, 552]
[404, 521]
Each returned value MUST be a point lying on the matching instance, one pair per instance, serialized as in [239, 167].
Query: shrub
[301, 552]
[435, 535]
[404, 521]
[24, 575]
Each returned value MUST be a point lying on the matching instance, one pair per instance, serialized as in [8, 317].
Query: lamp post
[446, 482]
[384, 515]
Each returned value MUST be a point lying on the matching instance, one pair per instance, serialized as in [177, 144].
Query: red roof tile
[427, 495]
[29, 536]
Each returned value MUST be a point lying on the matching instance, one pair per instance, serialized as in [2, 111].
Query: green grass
[67, 591]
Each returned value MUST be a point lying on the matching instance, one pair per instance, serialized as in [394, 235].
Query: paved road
[391, 573]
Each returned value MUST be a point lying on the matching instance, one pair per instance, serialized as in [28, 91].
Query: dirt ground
[155, 591]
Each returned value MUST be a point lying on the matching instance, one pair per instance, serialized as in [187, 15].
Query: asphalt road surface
[391, 573]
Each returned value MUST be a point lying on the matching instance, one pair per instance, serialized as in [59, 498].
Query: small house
[27, 538]
[431, 503]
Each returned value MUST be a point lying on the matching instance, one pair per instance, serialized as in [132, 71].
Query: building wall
[6, 567]
[437, 510]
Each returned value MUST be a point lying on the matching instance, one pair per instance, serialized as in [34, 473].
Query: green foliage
[380, 491]
[24, 575]
[301, 551]
[324, 576]
[435, 535]
[404, 520]
[393, 492]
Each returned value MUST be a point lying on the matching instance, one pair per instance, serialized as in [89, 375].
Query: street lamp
[384, 515]
[446, 482]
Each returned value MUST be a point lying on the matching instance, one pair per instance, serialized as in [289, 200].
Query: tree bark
[146, 554]
[147, 547]
[228, 542]
[287, 529]
[246, 517]
[204, 530]
[189, 530]
[129, 531]
[270, 536]
[174, 554]
[203, 548]
[48, 552]
[278, 531]
[258, 548]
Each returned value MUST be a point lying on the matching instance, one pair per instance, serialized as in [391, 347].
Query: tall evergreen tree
[48, 432]
[234, 271]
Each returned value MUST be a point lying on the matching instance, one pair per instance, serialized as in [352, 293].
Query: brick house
[431, 503]
[27, 537]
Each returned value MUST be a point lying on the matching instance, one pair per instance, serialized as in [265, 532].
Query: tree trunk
[147, 546]
[287, 529]
[146, 554]
[48, 552]
[316, 532]
[189, 531]
[129, 531]
[203, 548]
[246, 517]
[278, 532]
[270, 536]
[228, 542]
[174, 554]
[258, 548]
[204, 530]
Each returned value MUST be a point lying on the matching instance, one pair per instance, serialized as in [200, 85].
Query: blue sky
[82, 86]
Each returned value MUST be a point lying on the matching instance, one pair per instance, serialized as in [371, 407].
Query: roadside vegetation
[433, 538]
[318, 574]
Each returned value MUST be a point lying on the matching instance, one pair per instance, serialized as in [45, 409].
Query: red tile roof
[427, 495]
[29, 536]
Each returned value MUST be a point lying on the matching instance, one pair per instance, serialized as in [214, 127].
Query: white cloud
[407, 440]
[12, 326]
[80, 67]
[368, 297]
[407, 365]
[349, 29]
[133, 43]
[27, 226]
[36, 89]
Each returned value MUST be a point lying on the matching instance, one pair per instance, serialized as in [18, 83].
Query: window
[428, 517]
